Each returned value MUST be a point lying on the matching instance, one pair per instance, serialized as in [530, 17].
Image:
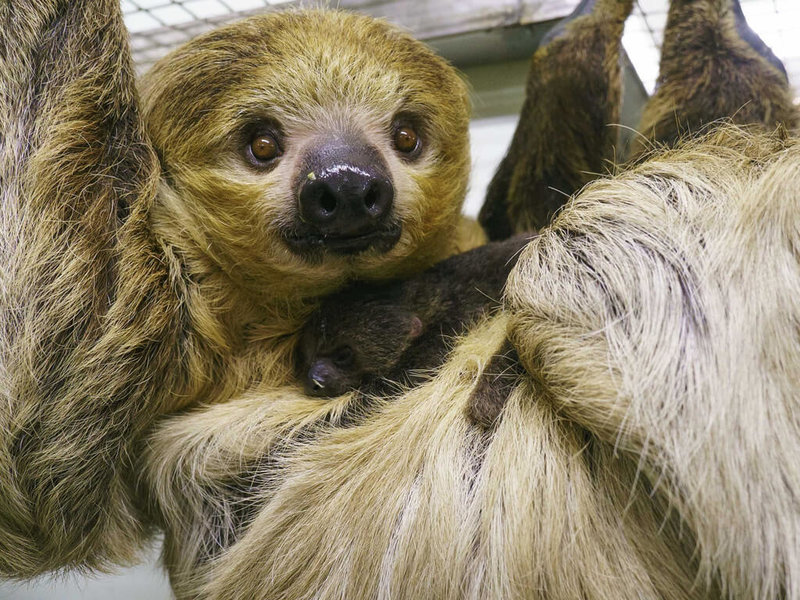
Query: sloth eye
[265, 147]
[343, 357]
[406, 139]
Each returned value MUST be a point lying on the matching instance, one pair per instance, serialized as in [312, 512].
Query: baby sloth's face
[354, 338]
[330, 370]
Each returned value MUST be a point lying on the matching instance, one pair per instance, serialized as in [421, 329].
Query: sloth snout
[322, 379]
[344, 189]
[346, 201]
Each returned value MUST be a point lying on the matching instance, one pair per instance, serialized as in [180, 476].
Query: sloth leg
[563, 139]
[713, 66]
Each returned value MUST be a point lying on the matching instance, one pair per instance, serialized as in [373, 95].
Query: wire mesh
[157, 26]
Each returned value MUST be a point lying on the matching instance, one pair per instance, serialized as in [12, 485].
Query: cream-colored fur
[653, 452]
[660, 312]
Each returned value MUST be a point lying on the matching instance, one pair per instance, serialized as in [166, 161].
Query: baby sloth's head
[356, 337]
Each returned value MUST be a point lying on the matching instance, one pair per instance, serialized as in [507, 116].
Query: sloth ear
[416, 328]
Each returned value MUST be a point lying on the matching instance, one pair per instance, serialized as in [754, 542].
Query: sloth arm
[88, 314]
[660, 312]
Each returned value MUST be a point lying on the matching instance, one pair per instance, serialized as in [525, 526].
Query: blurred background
[490, 41]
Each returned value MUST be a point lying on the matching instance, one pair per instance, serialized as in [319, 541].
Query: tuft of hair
[664, 321]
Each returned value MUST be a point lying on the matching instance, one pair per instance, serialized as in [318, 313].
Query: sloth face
[308, 147]
[357, 336]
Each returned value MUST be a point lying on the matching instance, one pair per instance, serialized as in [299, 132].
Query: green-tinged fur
[649, 450]
[566, 135]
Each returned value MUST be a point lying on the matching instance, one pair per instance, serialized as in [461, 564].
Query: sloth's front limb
[208, 473]
[660, 311]
[271, 497]
[713, 66]
[87, 315]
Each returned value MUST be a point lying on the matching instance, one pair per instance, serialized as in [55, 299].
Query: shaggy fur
[564, 138]
[370, 336]
[415, 503]
[713, 66]
[652, 452]
[92, 330]
[135, 282]
[664, 321]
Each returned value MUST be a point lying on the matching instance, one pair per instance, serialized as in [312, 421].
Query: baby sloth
[370, 336]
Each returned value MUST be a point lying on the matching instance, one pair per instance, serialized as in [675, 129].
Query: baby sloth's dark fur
[494, 386]
[371, 336]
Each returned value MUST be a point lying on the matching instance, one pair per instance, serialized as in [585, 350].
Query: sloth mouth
[310, 243]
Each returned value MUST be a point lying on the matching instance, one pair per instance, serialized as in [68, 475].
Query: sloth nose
[344, 189]
[321, 379]
[345, 200]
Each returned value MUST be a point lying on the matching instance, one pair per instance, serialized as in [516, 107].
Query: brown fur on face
[312, 77]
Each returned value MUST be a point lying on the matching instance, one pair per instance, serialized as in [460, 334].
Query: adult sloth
[650, 451]
[155, 260]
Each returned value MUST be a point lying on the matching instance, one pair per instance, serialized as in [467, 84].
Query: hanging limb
[713, 66]
[662, 319]
[563, 139]
[88, 317]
